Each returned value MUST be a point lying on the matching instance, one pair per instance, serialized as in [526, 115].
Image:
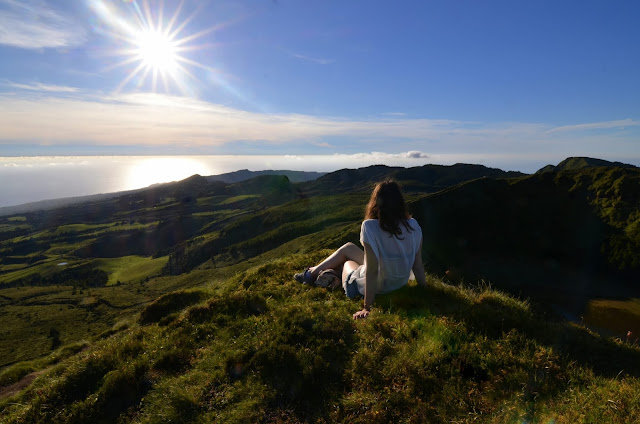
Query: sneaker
[328, 278]
[304, 277]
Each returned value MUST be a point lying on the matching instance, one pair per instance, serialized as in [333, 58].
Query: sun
[155, 49]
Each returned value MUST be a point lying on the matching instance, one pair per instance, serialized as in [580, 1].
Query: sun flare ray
[121, 63]
[194, 63]
[130, 77]
[174, 18]
[161, 12]
[184, 23]
[194, 47]
[194, 36]
[165, 84]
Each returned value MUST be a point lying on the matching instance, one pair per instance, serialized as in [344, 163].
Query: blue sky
[508, 80]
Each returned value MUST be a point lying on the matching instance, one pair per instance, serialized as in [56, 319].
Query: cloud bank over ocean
[67, 116]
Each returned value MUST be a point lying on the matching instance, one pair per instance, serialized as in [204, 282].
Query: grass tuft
[168, 304]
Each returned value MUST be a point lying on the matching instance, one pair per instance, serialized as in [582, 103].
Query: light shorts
[350, 285]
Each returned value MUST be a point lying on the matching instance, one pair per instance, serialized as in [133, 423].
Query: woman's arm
[418, 268]
[371, 282]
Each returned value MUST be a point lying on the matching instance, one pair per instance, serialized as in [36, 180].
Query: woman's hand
[361, 314]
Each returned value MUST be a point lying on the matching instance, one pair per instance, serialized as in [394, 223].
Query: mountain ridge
[245, 174]
[580, 162]
[426, 178]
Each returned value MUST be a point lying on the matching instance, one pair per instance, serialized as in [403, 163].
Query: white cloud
[32, 24]
[155, 119]
[65, 115]
[416, 155]
[36, 86]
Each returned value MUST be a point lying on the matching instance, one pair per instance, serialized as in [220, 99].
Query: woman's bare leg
[348, 268]
[348, 252]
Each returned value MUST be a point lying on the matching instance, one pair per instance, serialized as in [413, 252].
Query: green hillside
[262, 348]
[177, 304]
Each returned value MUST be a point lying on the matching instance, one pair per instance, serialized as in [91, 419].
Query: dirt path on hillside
[12, 389]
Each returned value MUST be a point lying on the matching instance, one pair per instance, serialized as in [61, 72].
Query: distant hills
[575, 163]
[245, 174]
[427, 178]
[231, 177]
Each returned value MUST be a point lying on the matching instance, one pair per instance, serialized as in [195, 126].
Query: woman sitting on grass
[392, 243]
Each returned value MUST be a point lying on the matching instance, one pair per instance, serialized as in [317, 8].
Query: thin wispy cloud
[317, 60]
[36, 86]
[597, 125]
[31, 24]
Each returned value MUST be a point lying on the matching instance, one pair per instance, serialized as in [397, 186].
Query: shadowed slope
[560, 237]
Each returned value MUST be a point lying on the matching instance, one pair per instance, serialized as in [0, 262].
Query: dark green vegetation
[571, 235]
[177, 304]
[425, 179]
[575, 163]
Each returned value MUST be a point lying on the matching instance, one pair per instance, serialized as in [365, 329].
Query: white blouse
[395, 255]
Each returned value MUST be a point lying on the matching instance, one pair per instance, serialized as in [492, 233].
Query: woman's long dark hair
[387, 205]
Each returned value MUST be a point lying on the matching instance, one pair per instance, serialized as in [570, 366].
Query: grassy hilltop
[176, 304]
[259, 348]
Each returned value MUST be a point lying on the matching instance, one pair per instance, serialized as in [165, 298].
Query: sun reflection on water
[146, 172]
